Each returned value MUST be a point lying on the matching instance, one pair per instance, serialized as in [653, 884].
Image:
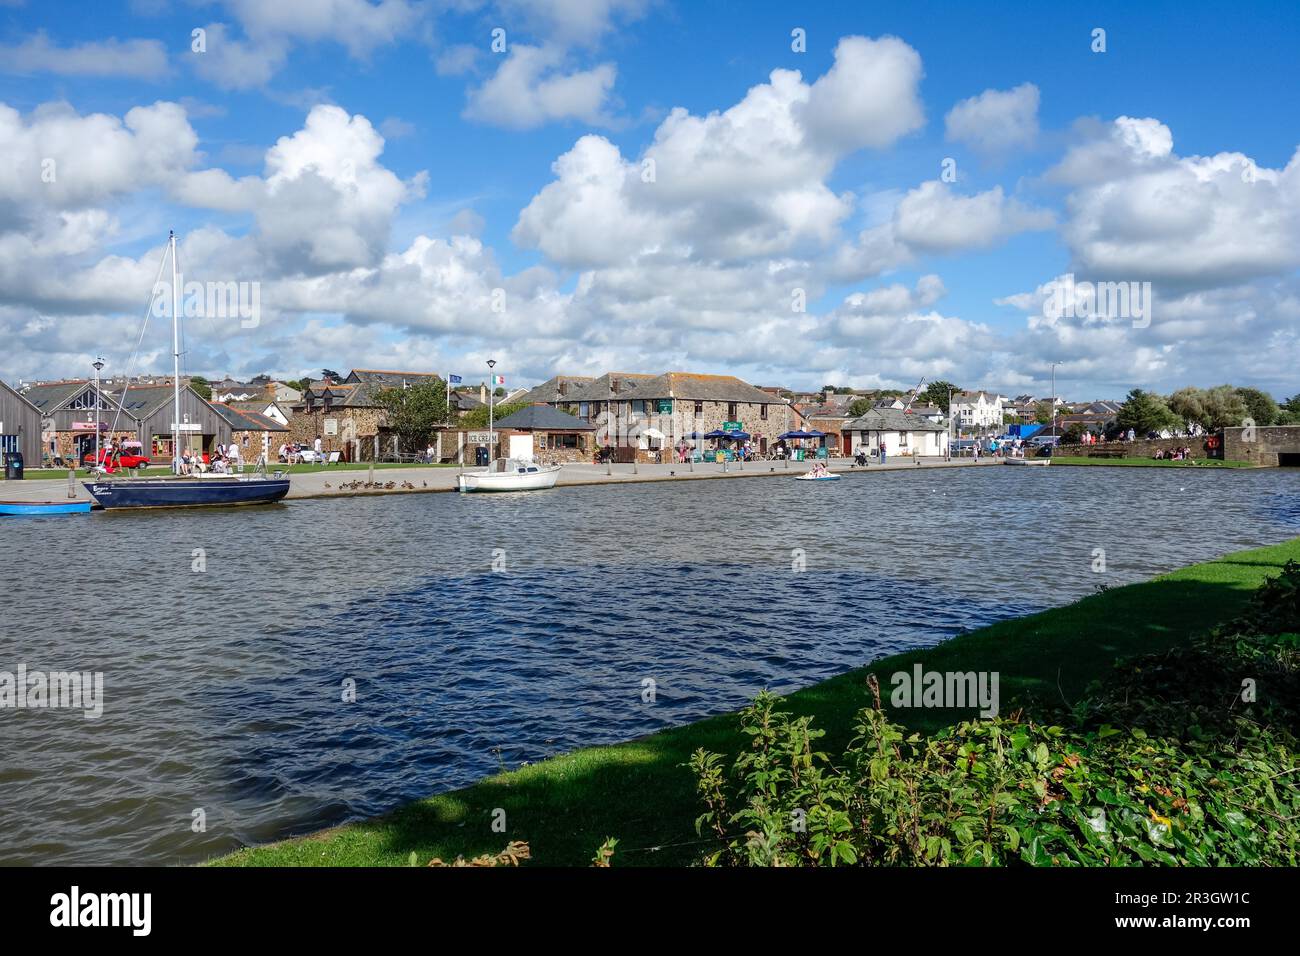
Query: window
[699, 409]
[85, 401]
[8, 443]
[563, 441]
[731, 411]
[762, 412]
[584, 410]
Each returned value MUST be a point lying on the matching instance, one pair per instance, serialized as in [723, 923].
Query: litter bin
[13, 466]
[481, 455]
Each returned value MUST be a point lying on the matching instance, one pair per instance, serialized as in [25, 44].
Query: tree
[499, 392]
[1289, 414]
[478, 417]
[1145, 412]
[859, 407]
[1209, 408]
[1259, 406]
[329, 375]
[936, 393]
[1044, 412]
[1189, 405]
[202, 386]
[413, 413]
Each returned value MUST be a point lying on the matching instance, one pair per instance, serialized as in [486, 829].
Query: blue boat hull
[186, 492]
[44, 507]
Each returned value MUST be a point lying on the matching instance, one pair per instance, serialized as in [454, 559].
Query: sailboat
[180, 490]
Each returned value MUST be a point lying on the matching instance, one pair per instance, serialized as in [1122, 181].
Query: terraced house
[347, 416]
[665, 410]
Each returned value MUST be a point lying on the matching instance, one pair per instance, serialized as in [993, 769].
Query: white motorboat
[511, 474]
[1026, 461]
[811, 477]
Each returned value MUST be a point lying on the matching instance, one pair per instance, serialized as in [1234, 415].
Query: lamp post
[98, 364]
[609, 426]
[491, 364]
[948, 456]
[1053, 398]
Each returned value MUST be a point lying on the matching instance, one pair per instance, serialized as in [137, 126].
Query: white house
[899, 431]
[978, 413]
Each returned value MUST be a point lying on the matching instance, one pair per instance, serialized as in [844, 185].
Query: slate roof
[544, 418]
[143, 400]
[240, 420]
[465, 402]
[52, 396]
[705, 388]
[894, 420]
[549, 390]
[597, 389]
[373, 381]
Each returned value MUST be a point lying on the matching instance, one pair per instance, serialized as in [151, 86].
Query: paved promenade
[343, 482]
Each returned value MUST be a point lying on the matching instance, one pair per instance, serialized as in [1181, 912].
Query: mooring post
[72, 483]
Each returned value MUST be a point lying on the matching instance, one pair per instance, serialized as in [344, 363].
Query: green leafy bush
[1183, 758]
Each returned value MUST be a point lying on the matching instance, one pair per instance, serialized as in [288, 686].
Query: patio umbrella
[717, 433]
[814, 433]
[794, 434]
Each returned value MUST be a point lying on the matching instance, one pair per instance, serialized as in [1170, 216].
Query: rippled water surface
[223, 688]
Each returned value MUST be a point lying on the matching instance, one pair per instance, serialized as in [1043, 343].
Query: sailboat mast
[176, 363]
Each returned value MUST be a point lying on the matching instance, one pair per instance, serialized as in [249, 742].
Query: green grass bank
[640, 793]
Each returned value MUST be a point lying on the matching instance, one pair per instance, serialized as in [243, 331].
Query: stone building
[666, 410]
[257, 436]
[545, 431]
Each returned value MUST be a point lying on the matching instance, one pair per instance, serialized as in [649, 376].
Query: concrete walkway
[346, 482]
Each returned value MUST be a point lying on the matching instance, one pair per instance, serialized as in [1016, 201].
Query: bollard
[692, 460]
[72, 483]
[371, 474]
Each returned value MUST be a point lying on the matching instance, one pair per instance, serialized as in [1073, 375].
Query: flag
[454, 379]
[498, 380]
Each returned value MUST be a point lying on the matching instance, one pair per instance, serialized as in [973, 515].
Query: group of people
[292, 452]
[1174, 454]
[224, 460]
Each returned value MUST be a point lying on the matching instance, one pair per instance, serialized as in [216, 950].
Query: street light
[948, 456]
[1054, 364]
[97, 365]
[491, 364]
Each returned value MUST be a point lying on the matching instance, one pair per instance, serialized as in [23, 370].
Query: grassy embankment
[639, 792]
[1200, 464]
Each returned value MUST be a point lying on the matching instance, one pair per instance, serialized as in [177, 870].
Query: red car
[124, 460]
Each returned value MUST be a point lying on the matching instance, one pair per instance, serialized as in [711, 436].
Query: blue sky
[1220, 84]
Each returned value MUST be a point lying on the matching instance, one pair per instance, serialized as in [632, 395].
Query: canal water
[224, 687]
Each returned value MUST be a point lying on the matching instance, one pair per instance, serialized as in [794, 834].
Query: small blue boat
[44, 507]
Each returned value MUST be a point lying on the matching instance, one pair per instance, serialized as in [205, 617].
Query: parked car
[126, 459]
